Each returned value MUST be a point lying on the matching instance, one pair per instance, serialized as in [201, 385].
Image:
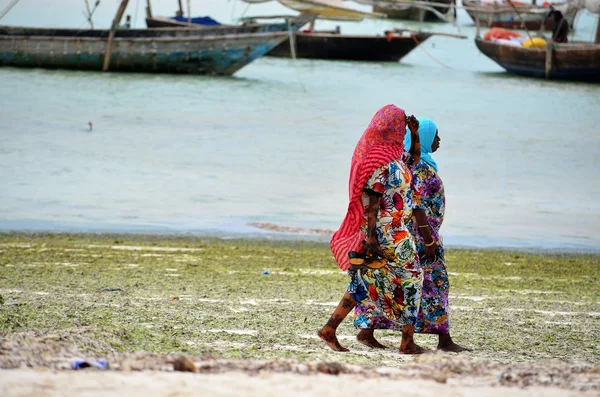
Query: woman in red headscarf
[381, 202]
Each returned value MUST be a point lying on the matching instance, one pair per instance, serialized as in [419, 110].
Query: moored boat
[420, 10]
[333, 45]
[292, 23]
[215, 50]
[516, 16]
[564, 61]
[208, 51]
[572, 61]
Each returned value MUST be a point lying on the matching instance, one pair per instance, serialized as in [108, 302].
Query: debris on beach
[82, 364]
[56, 351]
[289, 229]
[183, 364]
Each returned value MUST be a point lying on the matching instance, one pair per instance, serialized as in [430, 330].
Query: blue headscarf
[427, 131]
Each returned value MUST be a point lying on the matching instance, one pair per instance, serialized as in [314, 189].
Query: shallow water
[273, 143]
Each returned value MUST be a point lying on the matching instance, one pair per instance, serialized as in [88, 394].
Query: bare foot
[412, 348]
[453, 347]
[447, 344]
[366, 337]
[327, 334]
[407, 344]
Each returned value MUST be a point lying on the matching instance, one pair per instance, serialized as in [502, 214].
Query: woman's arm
[371, 241]
[431, 246]
[415, 142]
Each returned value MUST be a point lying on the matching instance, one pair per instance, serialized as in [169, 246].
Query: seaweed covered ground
[252, 305]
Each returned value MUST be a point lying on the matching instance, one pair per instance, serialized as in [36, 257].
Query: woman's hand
[431, 251]
[431, 244]
[415, 143]
[413, 125]
[372, 248]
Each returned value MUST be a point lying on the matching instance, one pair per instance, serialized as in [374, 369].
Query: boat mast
[189, 13]
[111, 35]
[180, 12]
[8, 8]
[597, 41]
[522, 20]
[89, 14]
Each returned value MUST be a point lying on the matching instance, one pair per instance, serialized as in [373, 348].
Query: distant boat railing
[491, 8]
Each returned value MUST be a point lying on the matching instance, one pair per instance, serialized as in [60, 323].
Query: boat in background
[333, 10]
[572, 61]
[423, 10]
[208, 51]
[563, 61]
[390, 47]
[286, 23]
[522, 16]
[217, 50]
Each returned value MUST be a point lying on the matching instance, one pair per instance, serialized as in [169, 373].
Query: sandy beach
[245, 312]
[23, 383]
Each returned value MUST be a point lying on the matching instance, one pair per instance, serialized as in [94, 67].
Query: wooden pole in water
[292, 39]
[111, 35]
[549, 56]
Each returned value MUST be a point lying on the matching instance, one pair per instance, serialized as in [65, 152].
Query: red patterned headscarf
[382, 142]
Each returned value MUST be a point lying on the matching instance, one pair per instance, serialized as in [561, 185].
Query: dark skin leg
[447, 344]
[408, 345]
[327, 333]
[367, 338]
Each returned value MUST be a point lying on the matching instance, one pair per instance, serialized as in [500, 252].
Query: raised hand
[413, 125]
[415, 144]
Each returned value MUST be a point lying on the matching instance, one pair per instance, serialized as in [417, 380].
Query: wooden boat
[333, 10]
[295, 23]
[407, 10]
[333, 45]
[212, 51]
[573, 61]
[564, 61]
[504, 15]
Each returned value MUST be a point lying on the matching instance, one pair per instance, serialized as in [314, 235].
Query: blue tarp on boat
[207, 21]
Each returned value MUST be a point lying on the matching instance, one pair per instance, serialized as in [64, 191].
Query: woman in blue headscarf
[425, 226]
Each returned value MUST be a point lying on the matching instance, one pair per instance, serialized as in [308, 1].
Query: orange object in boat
[500, 33]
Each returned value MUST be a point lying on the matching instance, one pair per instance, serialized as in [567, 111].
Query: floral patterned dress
[389, 298]
[433, 313]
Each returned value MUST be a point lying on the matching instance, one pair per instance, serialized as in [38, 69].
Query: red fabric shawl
[382, 142]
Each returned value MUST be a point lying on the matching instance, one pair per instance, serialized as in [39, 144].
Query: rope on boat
[137, 6]
[8, 8]
[593, 30]
[428, 54]
[233, 10]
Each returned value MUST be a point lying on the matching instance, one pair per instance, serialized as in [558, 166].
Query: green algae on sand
[168, 294]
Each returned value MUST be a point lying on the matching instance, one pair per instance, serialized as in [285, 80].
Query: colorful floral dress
[433, 314]
[389, 298]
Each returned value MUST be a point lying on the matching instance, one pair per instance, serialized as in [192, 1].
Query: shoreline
[290, 235]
